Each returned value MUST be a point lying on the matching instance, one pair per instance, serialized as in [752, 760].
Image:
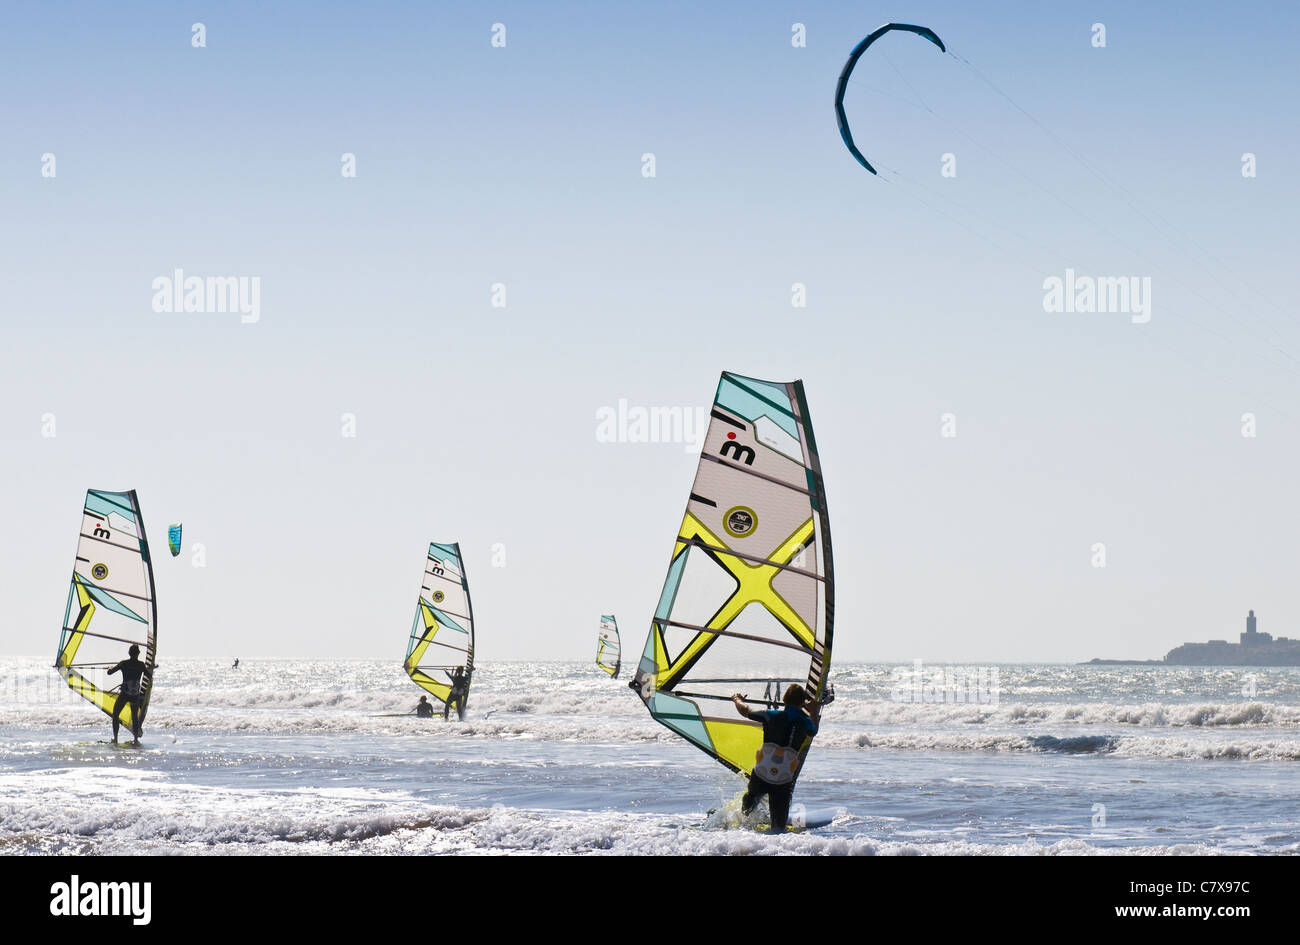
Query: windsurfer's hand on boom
[814, 710]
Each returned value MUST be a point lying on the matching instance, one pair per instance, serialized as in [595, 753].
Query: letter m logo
[738, 452]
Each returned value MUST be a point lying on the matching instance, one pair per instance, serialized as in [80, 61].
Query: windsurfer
[457, 694]
[424, 709]
[784, 731]
[130, 692]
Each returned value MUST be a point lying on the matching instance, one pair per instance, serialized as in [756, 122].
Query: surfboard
[800, 820]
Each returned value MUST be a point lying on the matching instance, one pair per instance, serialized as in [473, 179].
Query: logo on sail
[740, 521]
[99, 572]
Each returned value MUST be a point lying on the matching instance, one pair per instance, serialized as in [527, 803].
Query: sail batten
[749, 595]
[111, 603]
[759, 475]
[444, 619]
[714, 631]
[756, 558]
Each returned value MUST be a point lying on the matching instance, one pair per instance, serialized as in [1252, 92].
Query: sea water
[556, 758]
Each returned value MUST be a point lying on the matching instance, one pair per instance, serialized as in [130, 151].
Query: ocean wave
[1248, 731]
[1149, 715]
[1078, 745]
[188, 704]
[1125, 746]
[485, 831]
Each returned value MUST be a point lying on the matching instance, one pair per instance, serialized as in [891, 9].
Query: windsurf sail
[748, 603]
[174, 538]
[442, 635]
[608, 649]
[110, 603]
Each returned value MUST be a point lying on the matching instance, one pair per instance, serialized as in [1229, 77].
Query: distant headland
[1254, 649]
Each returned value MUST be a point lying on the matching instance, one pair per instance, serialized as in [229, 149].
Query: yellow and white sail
[442, 634]
[609, 653]
[748, 603]
[111, 603]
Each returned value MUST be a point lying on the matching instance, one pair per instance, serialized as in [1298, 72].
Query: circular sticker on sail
[99, 572]
[740, 521]
[439, 597]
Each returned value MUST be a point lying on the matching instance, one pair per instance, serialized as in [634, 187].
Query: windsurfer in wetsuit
[784, 731]
[457, 694]
[424, 709]
[131, 692]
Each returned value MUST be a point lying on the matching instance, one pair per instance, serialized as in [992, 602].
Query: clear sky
[523, 165]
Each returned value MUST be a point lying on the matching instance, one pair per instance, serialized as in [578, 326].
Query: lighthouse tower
[1251, 637]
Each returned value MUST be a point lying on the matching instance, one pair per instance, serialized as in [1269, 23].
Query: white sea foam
[299, 829]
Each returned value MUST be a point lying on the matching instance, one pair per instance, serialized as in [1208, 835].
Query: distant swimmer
[457, 694]
[236, 666]
[131, 692]
[425, 708]
[784, 731]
